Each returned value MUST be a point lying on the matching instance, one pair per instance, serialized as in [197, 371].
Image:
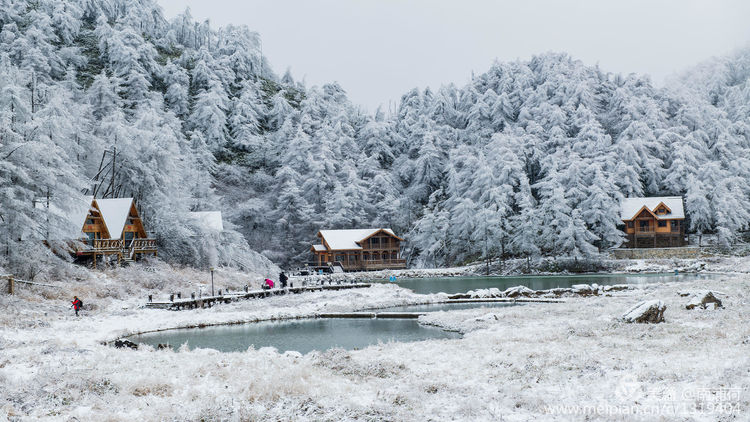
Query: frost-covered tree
[528, 158]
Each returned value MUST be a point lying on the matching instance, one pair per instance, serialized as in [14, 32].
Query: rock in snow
[583, 289]
[518, 291]
[122, 343]
[703, 299]
[647, 311]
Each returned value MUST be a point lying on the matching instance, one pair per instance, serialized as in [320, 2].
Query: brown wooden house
[653, 222]
[359, 249]
[112, 227]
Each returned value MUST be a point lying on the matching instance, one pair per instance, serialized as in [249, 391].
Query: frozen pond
[464, 284]
[299, 335]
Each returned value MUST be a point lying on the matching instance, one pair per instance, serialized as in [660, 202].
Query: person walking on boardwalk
[283, 279]
[77, 304]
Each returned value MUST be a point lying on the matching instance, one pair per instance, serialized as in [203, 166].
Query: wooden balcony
[394, 264]
[373, 264]
[117, 246]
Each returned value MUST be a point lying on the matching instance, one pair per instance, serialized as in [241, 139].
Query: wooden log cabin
[654, 222]
[359, 249]
[111, 227]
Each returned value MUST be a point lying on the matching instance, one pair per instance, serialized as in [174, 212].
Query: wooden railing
[384, 263]
[108, 245]
[374, 264]
[119, 245]
[144, 245]
[655, 232]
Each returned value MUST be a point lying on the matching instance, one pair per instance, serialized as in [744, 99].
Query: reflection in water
[464, 284]
[299, 335]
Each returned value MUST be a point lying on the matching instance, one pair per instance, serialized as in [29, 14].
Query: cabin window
[644, 225]
[630, 224]
[675, 226]
[89, 221]
[662, 223]
[91, 236]
[128, 236]
[339, 258]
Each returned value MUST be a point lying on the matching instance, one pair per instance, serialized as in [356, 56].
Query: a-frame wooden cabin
[114, 227]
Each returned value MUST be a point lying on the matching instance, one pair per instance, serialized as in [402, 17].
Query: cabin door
[128, 238]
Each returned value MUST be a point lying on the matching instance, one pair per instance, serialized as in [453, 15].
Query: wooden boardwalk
[371, 315]
[209, 301]
[374, 313]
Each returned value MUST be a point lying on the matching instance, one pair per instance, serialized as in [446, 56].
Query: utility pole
[46, 237]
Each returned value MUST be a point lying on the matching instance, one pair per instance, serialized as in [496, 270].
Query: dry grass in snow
[513, 363]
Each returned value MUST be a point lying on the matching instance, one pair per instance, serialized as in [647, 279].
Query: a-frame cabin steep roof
[115, 213]
[349, 239]
[631, 207]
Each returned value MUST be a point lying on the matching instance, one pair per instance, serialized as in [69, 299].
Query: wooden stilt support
[11, 285]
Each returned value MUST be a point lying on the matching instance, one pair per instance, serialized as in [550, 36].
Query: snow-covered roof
[208, 220]
[631, 206]
[347, 239]
[115, 213]
[319, 248]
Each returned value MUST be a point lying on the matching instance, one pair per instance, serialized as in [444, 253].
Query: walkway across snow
[209, 301]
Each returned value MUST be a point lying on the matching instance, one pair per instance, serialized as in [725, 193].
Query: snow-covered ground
[532, 362]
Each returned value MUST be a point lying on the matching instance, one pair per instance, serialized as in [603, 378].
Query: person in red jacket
[268, 284]
[77, 304]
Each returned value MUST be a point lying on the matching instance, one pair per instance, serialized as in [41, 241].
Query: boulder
[649, 311]
[495, 292]
[559, 291]
[703, 300]
[582, 289]
[616, 287]
[518, 291]
[484, 293]
[125, 343]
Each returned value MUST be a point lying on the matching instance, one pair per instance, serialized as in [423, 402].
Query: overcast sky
[379, 49]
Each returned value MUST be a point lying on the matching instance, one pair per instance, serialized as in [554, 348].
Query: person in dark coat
[77, 304]
[283, 279]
